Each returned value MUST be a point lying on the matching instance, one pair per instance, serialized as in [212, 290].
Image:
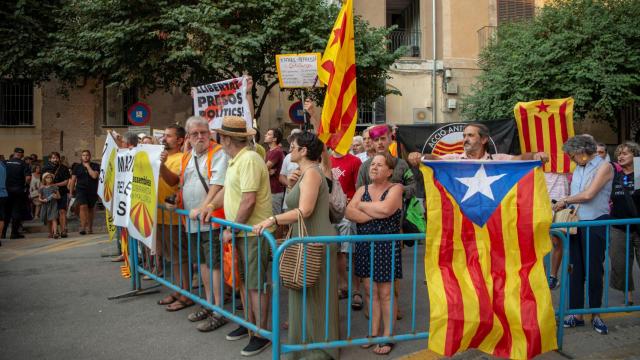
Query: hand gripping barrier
[592, 229]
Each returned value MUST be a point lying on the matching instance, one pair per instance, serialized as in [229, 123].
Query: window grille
[16, 103]
[515, 10]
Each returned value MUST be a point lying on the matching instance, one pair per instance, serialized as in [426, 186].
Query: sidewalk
[54, 305]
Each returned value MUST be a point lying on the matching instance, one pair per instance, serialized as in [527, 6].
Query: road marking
[26, 248]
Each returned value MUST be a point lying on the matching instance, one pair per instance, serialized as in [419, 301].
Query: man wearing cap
[18, 176]
[61, 176]
[247, 200]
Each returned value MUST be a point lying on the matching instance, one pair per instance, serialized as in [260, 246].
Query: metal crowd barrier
[350, 339]
[168, 278]
[560, 230]
[142, 261]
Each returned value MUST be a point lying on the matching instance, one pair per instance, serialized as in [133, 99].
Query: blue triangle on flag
[478, 187]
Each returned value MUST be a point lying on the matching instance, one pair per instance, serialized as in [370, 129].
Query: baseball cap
[18, 150]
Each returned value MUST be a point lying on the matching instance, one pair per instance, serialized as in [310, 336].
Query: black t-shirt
[60, 174]
[17, 172]
[624, 205]
[84, 182]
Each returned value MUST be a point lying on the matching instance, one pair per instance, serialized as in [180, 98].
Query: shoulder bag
[293, 258]
[567, 215]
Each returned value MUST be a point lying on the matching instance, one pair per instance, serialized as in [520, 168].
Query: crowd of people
[226, 174]
[31, 189]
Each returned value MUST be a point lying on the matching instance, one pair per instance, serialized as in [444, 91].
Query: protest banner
[143, 197]
[123, 179]
[158, 134]
[111, 227]
[298, 70]
[225, 98]
[107, 172]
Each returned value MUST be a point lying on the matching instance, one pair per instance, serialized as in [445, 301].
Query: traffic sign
[296, 112]
[139, 114]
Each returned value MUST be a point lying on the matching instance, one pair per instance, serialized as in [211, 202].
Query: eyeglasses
[199, 133]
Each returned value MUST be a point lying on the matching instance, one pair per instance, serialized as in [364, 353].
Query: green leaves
[587, 49]
[171, 43]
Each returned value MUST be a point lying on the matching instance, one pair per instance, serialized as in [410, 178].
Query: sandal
[356, 305]
[213, 322]
[169, 299]
[343, 294]
[179, 304]
[378, 349]
[199, 315]
[63, 234]
[366, 346]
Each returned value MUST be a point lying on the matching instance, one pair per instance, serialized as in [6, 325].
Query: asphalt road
[53, 305]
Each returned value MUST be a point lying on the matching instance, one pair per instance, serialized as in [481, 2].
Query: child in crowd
[49, 211]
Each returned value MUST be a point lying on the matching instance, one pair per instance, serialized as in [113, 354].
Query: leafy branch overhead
[587, 49]
[167, 44]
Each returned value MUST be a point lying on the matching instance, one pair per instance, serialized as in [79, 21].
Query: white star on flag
[479, 183]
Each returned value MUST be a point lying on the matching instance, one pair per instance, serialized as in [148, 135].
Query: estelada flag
[488, 233]
[338, 71]
[544, 126]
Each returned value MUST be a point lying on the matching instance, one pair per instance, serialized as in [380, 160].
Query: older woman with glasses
[590, 190]
[625, 202]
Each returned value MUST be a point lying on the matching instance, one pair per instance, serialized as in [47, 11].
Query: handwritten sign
[298, 70]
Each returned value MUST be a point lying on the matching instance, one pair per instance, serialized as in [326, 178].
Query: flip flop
[169, 299]
[380, 346]
[180, 305]
[366, 346]
[356, 305]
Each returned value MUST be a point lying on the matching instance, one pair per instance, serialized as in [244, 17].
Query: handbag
[337, 202]
[230, 266]
[291, 264]
[567, 215]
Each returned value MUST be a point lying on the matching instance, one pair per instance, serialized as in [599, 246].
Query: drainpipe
[433, 73]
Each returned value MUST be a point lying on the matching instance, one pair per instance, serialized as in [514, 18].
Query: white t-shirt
[193, 192]
[363, 156]
[287, 168]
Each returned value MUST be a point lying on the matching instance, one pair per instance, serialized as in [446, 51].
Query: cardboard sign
[298, 70]
[225, 98]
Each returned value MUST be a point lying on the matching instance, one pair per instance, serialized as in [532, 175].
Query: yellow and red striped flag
[544, 126]
[487, 236]
[338, 71]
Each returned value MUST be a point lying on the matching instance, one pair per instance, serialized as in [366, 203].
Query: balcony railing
[411, 40]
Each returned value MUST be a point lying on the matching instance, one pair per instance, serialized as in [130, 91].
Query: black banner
[446, 138]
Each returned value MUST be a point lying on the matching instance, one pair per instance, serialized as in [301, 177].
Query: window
[514, 10]
[16, 103]
[115, 103]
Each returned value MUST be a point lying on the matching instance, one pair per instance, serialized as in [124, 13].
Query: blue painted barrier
[349, 339]
[562, 308]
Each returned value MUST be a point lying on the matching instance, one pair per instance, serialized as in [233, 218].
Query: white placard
[298, 70]
[225, 98]
[106, 182]
[122, 190]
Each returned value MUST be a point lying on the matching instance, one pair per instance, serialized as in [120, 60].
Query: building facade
[438, 68]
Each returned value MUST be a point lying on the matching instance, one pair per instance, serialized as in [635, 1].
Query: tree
[25, 37]
[586, 49]
[171, 43]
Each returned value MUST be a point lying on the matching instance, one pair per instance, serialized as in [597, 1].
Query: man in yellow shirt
[247, 200]
[167, 230]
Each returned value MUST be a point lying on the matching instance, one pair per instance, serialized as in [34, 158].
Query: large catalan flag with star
[545, 125]
[338, 71]
[487, 234]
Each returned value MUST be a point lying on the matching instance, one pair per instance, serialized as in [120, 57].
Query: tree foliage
[586, 49]
[171, 43]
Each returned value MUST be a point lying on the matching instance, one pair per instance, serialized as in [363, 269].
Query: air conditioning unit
[421, 115]
[452, 104]
[452, 88]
